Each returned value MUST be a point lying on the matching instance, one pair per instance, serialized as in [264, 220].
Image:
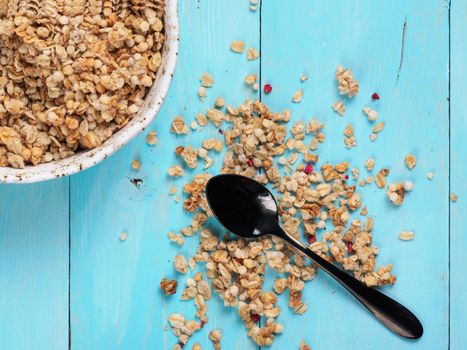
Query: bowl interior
[152, 103]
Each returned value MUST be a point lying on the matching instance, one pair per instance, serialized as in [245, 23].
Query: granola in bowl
[74, 74]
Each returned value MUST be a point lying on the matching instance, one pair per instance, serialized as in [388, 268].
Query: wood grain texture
[34, 266]
[366, 37]
[458, 307]
[115, 298]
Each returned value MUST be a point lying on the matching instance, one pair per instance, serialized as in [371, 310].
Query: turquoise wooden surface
[458, 125]
[110, 288]
[34, 266]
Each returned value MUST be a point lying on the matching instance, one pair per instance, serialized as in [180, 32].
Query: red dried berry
[203, 322]
[375, 96]
[308, 168]
[250, 162]
[221, 131]
[346, 176]
[181, 344]
[311, 239]
[350, 247]
[267, 88]
[255, 317]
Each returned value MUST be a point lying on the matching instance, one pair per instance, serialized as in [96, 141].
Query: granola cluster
[320, 204]
[72, 73]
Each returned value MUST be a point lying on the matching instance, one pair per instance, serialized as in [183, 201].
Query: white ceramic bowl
[152, 103]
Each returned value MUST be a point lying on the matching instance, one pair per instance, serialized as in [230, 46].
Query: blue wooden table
[66, 279]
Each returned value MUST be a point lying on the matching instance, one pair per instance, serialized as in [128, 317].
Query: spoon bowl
[242, 205]
[248, 209]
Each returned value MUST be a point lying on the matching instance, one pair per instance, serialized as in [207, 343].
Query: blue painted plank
[458, 210]
[366, 36]
[115, 298]
[34, 266]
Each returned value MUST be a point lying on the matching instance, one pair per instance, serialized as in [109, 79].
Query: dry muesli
[168, 287]
[237, 46]
[339, 107]
[347, 85]
[183, 329]
[252, 54]
[73, 73]
[318, 202]
[207, 80]
[136, 164]
[297, 96]
[410, 161]
[371, 114]
[406, 235]
[123, 236]
[396, 192]
[215, 336]
[151, 138]
[381, 177]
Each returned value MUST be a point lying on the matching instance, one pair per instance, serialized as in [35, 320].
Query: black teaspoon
[248, 209]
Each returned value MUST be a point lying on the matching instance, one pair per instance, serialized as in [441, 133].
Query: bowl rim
[148, 111]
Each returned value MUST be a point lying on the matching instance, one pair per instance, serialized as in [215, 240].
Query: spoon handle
[393, 315]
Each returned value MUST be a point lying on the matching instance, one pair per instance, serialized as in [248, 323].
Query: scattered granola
[202, 93]
[175, 171]
[251, 79]
[453, 197]
[73, 74]
[297, 96]
[252, 54]
[200, 291]
[176, 238]
[219, 102]
[349, 139]
[215, 336]
[136, 164]
[406, 235]
[151, 138]
[196, 346]
[408, 186]
[123, 236]
[430, 176]
[378, 128]
[237, 46]
[189, 155]
[304, 77]
[309, 200]
[371, 114]
[346, 83]
[339, 107]
[254, 5]
[179, 126]
[381, 177]
[304, 346]
[410, 161]
[370, 164]
[207, 80]
[168, 287]
[180, 264]
[396, 193]
[182, 328]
